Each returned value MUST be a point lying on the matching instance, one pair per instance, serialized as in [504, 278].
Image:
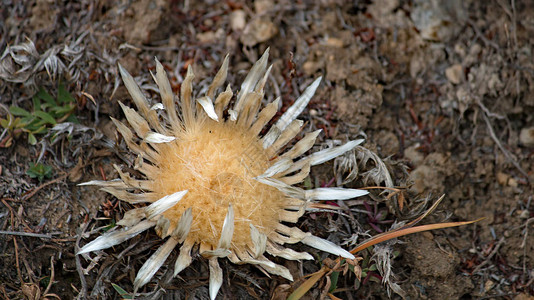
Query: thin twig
[481, 36]
[28, 196]
[490, 256]
[83, 293]
[52, 273]
[504, 150]
[19, 273]
[30, 234]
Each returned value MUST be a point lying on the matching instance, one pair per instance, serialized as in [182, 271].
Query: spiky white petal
[184, 258]
[160, 206]
[271, 136]
[115, 183]
[261, 83]
[162, 227]
[227, 229]
[265, 115]
[134, 90]
[139, 124]
[287, 253]
[219, 79]
[296, 109]
[325, 155]
[277, 167]
[334, 194]
[279, 270]
[110, 239]
[244, 257]
[185, 95]
[167, 96]
[287, 135]
[152, 265]
[326, 246]
[289, 190]
[222, 101]
[233, 114]
[127, 196]
[259, 240]
[303, 145]
[158, 138]
[132, 217]
[219, 253]
[216, 278]
[253, 76]
[208, 107]
[184, 225]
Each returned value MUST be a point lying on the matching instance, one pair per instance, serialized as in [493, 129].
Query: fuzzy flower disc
[217, 163]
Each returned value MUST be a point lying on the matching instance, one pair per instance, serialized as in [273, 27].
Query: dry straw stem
[402, 231]
[212, 182]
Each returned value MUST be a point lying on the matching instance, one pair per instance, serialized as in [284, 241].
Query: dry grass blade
[308, 284]
[405, 231]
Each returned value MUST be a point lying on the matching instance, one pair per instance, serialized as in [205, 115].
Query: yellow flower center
[217, 163]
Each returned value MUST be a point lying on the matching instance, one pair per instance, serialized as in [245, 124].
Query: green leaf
[63, 96]
[333, 281]
[31, 139]
[26, 120]
[62, 110]
[42, 94]
[39, 171]
[73, 119]
[39, 130]
[36, 102]
[110, 226]
[124, 294]
[45, 116]
[17, 111]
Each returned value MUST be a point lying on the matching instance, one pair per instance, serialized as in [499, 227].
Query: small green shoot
[39, 171]
[124, 294]
[46, 113]
[110, 226]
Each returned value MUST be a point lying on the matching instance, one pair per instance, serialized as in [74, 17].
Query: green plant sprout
[124, 294]
[39, 171]
[47, 112]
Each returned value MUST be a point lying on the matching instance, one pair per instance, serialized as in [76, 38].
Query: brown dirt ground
[443, 91]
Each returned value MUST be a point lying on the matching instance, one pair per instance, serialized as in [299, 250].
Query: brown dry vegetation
[443, 92]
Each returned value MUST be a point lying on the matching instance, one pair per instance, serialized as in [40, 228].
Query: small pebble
[526, 137]
[237, 20]
[455, 73]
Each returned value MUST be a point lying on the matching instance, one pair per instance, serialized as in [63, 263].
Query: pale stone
[237, 20]
[526, 137]
[455, 73]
